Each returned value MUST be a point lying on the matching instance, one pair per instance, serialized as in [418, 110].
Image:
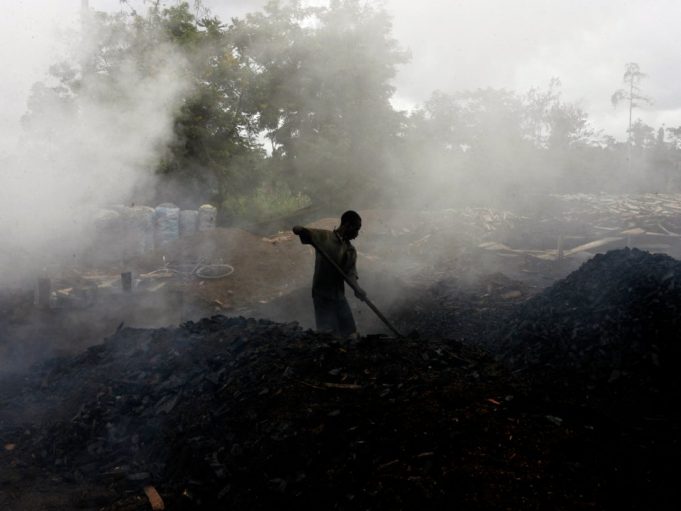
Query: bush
[264, 203]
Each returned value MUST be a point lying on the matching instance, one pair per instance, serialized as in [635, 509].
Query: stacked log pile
[583, 224]
[651, 210]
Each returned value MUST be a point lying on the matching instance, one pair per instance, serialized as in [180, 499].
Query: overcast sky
[455, 45]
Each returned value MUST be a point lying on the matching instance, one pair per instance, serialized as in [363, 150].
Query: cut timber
[670, 233]
[506, 250]
[493, 245]
[107, 282]
[346, 386]
[43, 292]
[636, 231]
[559, 249]
[548, 255]
[656, 247]
[126, 281]
[593, 245]
[661, 236]
[154, 498]
[156, 287]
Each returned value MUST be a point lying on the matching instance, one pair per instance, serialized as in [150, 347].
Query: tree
[214, 151]
[314, 81]
[553, 124]
[642, 136]
[632, 78]
[538, 107]
[494, 143]
[674, 137]
[323, 89]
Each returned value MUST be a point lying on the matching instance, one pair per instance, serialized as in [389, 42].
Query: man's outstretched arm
[303, 233]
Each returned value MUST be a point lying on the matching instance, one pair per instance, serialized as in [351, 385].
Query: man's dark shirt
[327, 281]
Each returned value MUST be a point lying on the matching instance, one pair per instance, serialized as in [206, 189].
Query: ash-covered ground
[513, 395]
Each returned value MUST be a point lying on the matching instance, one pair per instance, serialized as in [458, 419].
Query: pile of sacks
[139, 229]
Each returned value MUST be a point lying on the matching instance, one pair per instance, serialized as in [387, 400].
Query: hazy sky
[455, 45]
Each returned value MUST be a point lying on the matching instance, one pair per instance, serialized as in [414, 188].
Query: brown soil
[264, 268]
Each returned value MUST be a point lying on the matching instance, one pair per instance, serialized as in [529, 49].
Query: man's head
[350, 225]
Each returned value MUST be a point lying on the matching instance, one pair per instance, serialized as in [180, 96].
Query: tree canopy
[292, 105]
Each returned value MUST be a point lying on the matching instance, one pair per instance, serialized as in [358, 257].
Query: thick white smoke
[78, 153]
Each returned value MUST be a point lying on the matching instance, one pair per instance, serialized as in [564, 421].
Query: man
[332, 312]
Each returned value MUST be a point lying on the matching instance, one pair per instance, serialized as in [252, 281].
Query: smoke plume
[91, 136]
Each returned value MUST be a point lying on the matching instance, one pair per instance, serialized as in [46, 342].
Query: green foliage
[315, 83]
[264, 203]
[550, 123]
[323, 92]
[216, 149]
[632, 93]
[642, 136]
[489, 142]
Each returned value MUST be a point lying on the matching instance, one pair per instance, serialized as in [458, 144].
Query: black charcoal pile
[468, 310]
[244, 414]
[613, 324]
[234, 413]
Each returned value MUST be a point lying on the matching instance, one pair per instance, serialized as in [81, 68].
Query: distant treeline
[292, 105]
